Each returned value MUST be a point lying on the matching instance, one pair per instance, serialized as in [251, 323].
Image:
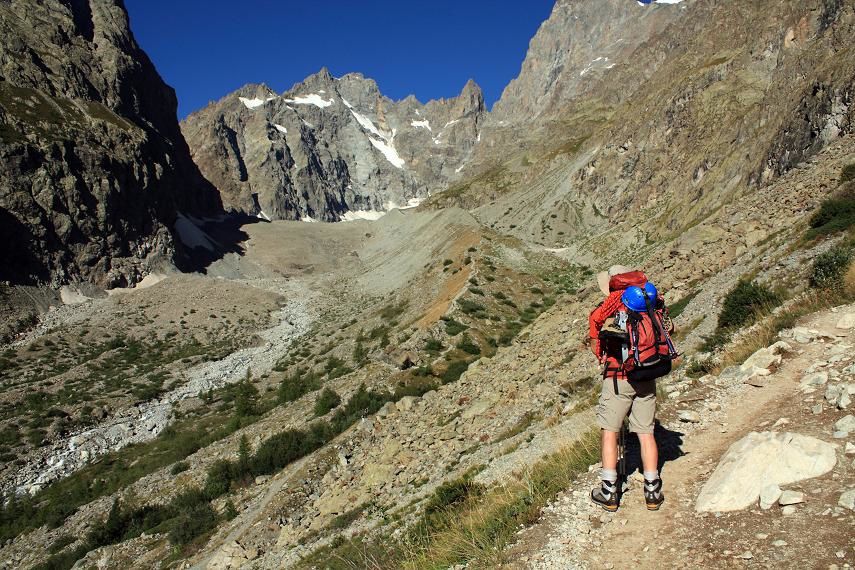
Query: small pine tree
[230, 512]
[327, 400]
[246, 397]
[242, 466]
[359, 352]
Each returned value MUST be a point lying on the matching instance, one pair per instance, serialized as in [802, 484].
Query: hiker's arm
[595, 323]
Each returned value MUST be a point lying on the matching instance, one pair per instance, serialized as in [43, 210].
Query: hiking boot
[653, 494]
[606, 496]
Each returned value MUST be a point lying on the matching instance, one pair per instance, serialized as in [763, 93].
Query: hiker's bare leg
[649, 452]
[609, 449]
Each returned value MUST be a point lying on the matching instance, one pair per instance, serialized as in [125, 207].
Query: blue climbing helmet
[636, 298]
[652, 293]
[633, 298]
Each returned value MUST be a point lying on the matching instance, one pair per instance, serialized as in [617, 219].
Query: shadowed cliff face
[331, 145]
[94, 165]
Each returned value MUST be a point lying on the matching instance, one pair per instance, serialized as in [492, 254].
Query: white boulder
[761, 459]
[791, 498]
[845, 424]
[847, 321]
[763, 358]
[769, 495]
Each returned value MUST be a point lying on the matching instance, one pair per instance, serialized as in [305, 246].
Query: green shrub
[451, 494]
[299, 384]
[848, 173]
[834, 215]
[434, 345]
[193, 522]
[363, 403]
[246, 398]
[219, 479]
[179, 467]
[447, 262]
[470, 307]
[229, 510]
[454, 328]
[455, 370]
[466, 345]
[744, 302]
[830, 267]
[697, 368]
[327, 400]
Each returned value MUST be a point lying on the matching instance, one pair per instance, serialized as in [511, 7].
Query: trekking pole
[622, 457]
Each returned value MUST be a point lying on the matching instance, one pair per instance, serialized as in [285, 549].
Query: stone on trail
[755, 376]
[847, 321]
[791, 498]
[761, 459]
[847, 500]
[815, 379]
[763, 358]
[769, 495]
[845, 424]
[689, 416]
[788, 510]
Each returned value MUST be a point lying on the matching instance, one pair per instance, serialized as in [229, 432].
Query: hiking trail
[574, 533]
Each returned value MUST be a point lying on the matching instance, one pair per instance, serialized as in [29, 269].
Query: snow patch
[387, 143]
[449, 123]
[369, 215]
[388, 151]
[421, 125]
[308, 220]
[311, 99]
[280, 128]
[367, 124]
[192, 235]
[262, 216]
[253, 103]
[459, 168]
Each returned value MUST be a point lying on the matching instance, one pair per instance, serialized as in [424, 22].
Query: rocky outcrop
[329, 146]
[574, 47]
[667, 131]
[94, 165]
[759, 460]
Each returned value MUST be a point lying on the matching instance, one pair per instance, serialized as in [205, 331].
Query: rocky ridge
[331, 148]
[95, 167]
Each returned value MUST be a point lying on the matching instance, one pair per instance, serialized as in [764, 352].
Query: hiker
[634, 350]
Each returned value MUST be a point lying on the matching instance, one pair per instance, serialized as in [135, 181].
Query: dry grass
[766, 331]
[478, 531]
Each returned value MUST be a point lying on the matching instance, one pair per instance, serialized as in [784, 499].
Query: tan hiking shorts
[638, 399]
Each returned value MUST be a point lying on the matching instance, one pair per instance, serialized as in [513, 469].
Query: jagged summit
[331, 146]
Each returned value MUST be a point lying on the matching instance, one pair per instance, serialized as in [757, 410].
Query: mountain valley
[328, 329]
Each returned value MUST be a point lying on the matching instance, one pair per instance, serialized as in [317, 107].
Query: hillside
[412, 388]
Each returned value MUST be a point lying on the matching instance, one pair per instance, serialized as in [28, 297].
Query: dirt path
[575, 534]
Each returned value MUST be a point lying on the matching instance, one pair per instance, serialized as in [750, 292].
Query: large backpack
[648, 352]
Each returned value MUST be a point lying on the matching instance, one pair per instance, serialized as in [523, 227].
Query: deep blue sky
[208, 48]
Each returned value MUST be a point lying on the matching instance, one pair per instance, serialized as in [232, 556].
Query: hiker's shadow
[668, 441]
